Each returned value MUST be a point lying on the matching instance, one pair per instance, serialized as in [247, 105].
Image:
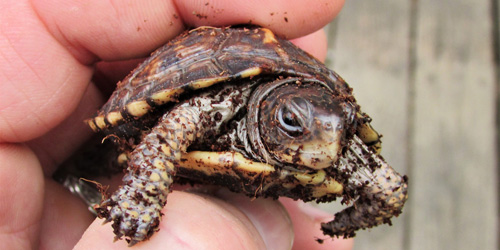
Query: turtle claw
[107, 220]
[134, 219]
[342, 226]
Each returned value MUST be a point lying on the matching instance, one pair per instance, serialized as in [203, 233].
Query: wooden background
[425, 71]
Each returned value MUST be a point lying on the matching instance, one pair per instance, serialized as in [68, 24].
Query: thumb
[202, 221]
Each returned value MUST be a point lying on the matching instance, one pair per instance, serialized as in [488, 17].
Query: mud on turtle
[244, 109]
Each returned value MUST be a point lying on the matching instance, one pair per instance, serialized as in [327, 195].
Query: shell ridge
[198, 61]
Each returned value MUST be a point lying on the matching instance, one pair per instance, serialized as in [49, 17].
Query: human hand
[57, 57]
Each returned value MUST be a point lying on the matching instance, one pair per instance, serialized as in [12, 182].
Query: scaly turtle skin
[242, 108]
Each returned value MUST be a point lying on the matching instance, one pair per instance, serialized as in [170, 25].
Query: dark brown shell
[205, 56]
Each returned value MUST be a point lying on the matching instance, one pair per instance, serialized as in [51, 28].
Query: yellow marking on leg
[174, 146]
[133, 214]
[312, 179]
[138, 108]
[177, 127]
[158, 164]
[190, 136]
[191, 126]
[165, 96]
[177, 155]
[330, 186]
[164, 175]
[288, 185]
[323, 184]
[393, 201]
[150, 188]
[269, 36]
[146, 217]
[179, 134]
[223, 162]
[139, 185]
[235, 164]
[125, 205]
[166, 150]
[154, 177]
[122, 158]
[169, 165]
[182, 120]
[242, 163]
[227, 162]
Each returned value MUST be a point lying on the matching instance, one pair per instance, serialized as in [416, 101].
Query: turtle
[242, 108]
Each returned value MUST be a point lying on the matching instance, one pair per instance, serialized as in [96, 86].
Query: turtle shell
[203, 57]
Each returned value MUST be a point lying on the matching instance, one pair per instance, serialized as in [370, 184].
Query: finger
[314, 43]
[306, 222]
[65, 218]
[41, 81]
[290, 19]
[60, 142]
[37, 96]
[109, 73]
[198, 221]
[112, 31]
[21, 197]
[269, 217]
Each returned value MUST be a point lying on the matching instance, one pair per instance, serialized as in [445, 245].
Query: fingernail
[268, 216]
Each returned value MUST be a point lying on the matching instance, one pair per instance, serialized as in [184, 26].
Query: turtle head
[300, 122]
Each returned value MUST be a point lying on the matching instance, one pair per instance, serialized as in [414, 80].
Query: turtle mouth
[348, 175]
[315, 154]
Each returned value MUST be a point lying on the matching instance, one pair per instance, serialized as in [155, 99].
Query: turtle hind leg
[382, 193]
[135, 208]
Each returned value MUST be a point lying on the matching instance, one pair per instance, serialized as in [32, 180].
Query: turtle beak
[321, 153]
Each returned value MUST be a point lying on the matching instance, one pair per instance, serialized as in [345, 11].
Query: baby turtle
[244, 109]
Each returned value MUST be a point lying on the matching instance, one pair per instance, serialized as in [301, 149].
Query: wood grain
[454, 158]
[425, 71]
[370, 50]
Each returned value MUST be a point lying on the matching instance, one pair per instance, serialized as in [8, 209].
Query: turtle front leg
[135, 208]
[382, 192]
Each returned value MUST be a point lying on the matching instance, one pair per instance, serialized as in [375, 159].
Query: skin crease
[58, 61]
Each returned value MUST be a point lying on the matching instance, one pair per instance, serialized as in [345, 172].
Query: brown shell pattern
[210, 56]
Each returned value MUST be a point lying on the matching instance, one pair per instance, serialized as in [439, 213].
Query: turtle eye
[289, 122]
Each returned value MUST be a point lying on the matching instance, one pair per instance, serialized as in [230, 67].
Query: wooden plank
[454, 194]
[369, 50]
